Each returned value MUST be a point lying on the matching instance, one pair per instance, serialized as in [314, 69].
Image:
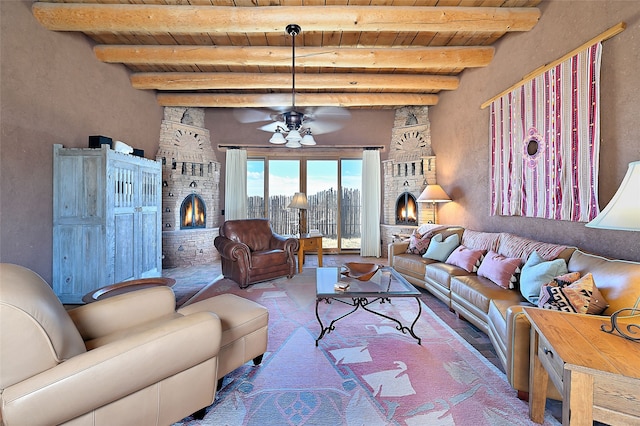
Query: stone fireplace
[410, 166]
[190, 189]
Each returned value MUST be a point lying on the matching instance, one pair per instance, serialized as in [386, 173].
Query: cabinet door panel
[124, 233]
[78, 246]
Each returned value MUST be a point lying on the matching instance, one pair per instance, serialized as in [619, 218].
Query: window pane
[350, 203]
[284, 182]
[322, 185]
[255, 188]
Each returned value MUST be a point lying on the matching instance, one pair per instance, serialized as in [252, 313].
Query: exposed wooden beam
[302, 99]
[139, 18]
[453, 57]
[227, 80]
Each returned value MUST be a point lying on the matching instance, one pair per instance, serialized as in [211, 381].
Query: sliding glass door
[333, 189]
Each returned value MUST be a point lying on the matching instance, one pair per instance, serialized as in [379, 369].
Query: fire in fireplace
[193, 212]
[406, 209]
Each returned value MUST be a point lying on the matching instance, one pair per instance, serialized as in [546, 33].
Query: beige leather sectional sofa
[498, 311]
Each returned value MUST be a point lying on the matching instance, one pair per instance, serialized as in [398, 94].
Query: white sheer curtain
[371, 189]
[235, 185]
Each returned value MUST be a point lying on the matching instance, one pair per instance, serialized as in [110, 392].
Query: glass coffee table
[382, 287]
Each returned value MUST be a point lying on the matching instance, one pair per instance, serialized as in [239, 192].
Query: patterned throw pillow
[418, 243]
[565, 295]
[500, 269]
[466, 258]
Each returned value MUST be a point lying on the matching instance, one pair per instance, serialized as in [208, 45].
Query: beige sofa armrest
[124, 311]
[397, 248]
[103, 375]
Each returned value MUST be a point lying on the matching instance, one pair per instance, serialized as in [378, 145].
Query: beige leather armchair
[251, 252]
[129, 359]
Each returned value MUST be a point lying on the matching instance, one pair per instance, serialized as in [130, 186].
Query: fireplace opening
[193, 212]
[406, 209]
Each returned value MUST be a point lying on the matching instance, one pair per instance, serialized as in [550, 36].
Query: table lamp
[300, 202]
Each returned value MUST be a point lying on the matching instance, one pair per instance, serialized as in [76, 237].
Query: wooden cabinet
[106, 219]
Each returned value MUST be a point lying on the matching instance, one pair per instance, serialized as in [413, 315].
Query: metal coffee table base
[363, 302]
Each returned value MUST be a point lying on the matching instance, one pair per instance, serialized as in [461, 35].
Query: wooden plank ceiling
[235, 53]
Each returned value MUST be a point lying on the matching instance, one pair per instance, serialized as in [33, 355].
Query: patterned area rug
[365, 372]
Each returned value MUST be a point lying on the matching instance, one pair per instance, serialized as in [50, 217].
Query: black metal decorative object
[629, 331]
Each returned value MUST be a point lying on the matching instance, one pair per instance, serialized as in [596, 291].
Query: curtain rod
[317, 147]
[615, 30]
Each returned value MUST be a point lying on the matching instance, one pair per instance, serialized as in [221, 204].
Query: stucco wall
[54, 90]
[460, 129]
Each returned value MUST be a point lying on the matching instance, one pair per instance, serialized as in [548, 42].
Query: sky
[322, 175]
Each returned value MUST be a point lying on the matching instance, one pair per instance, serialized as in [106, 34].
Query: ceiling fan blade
[328, 113]
[250, 115]
[322, 126]
[272, 127]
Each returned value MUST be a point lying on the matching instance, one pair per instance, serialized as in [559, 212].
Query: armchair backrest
[36, 333]
[255, 233]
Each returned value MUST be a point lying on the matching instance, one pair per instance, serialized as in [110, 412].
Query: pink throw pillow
[466, 258]
[500, 269]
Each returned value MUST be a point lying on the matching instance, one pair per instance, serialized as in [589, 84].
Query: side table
[308, 242]
[597, 373]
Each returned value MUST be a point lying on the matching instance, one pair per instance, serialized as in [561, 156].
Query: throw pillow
[500, 269]
[575, 297]
[440, 250]
[537, 272]
[466, 258]
[418, 243]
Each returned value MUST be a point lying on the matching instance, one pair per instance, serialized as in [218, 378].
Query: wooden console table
[309, 242]
[597, 373]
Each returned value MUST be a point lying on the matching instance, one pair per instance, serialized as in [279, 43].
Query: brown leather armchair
[252, 252]
[129, 359]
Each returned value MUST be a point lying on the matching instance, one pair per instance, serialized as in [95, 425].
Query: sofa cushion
[441, 273]
[476, 292]
[516, 246]
[410, 264]
[440, 250]
[537, 272]
[481, 240]
[466, 258]
[500, 269]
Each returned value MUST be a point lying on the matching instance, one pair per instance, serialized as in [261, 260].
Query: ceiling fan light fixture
[294, 136]
[293, 144]
[277, 138]
[308, 140]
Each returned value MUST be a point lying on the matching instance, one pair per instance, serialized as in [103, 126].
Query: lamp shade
[277, 139]
[433, 194]
[623, 211]
[299, 201]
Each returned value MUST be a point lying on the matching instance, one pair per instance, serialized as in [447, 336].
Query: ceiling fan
[292, 127]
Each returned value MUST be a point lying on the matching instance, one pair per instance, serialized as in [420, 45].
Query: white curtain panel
[371, 194]
[235, 185]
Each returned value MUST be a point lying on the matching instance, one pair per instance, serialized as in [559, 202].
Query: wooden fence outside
[322, 213]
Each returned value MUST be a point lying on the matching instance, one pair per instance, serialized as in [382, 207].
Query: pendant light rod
[293, 30]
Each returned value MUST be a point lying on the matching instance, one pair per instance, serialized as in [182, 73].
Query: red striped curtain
[545, 143]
